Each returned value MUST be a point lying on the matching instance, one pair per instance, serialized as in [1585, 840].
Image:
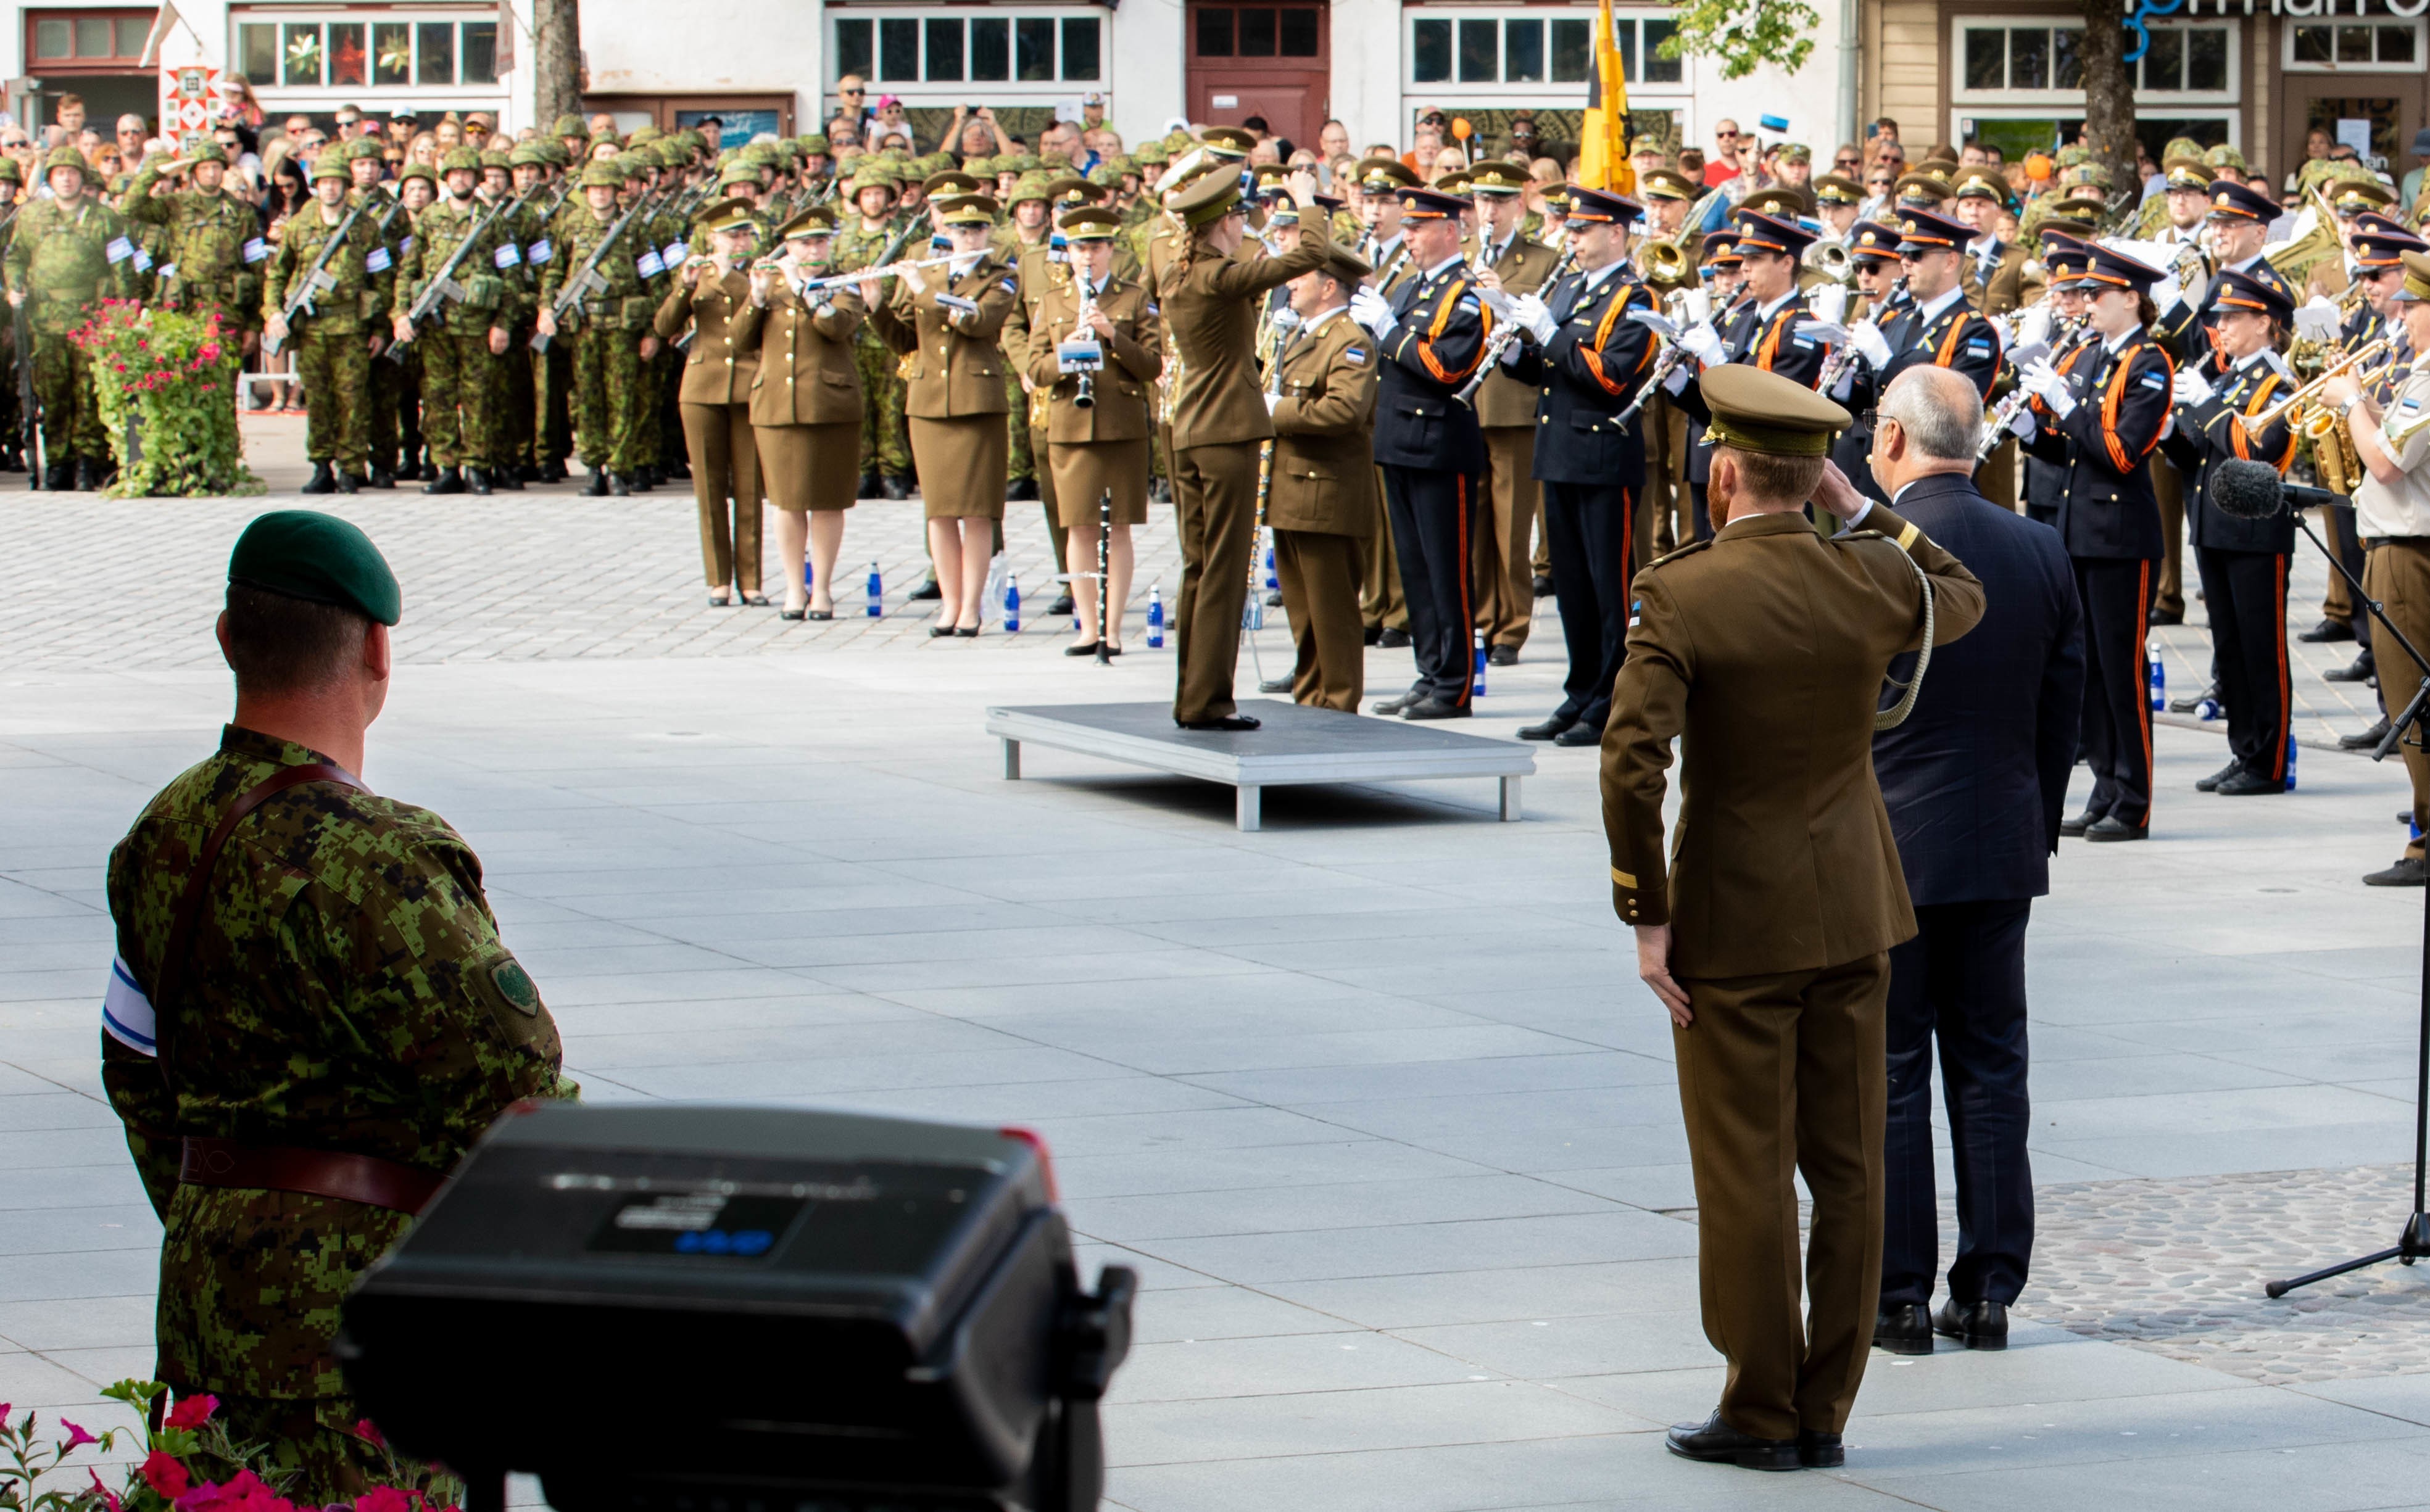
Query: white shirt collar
[1769, 310]
[1595, 276]
[1322, 319]
[1928, 313]
[1440, 268]
[2114, 344]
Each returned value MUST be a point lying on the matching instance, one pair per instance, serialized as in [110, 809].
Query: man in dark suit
[1975, 782]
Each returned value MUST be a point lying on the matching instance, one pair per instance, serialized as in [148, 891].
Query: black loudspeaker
[689, 1309]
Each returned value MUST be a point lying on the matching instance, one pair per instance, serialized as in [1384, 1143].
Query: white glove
[2021, 425]
[1534, 318]
[2192, 388]
[1372, 311]
[2034, 327]
[1870, 344]
[2045, 383]
[1701, 342]
[1700, 305]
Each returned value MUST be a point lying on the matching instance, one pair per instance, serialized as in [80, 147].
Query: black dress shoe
[2326, 630]
[1580, 734]
[477, 481]
[382, 478]
[2406, 872]
[2211, 784]
[1372, 635]
[2248, 785]
[897, 488]
[2192, 701]
[1550, 729]
[1275, 685]
[1084, 648]
[1228, 722]
[1391, 639]
[1905, 1329]
[348, 483]
[1716, 1442]
[447, 480]
[927, 592]
[2114, 828]
[320, 482]
[2358, 671]
[1437, 709]
[2076, 825]
[1502, 656]
[1816, 1450]
[796, 614]
[1543, 587]
[1395, 705]
[822, 614]
[1062, 604]
[2364, 739]
[1974, 1325]
[940, 631]
[2167, 617]
[868, 486]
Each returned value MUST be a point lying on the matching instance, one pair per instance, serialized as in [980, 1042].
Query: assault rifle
[585, 281]
[29, 405]
[441, 289]
[317, 280]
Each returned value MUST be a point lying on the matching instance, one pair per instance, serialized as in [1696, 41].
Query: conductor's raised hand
[1301, 185]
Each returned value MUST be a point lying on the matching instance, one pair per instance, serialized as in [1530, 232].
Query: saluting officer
[1505, 410]
[2101, 421]
[1320, 503]
[715, 402]
[2243, 563]
[1431, 336]
[1936, 327]
[1590, 360]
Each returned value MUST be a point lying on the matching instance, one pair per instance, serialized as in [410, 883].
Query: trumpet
[2254, 425]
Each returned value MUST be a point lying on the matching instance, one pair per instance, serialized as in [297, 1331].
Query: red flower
[77, 1438]
[211, 352]
[384, 1499]
[108, 1498]
[193, 1411]
[166, 1473]
[366, 1429]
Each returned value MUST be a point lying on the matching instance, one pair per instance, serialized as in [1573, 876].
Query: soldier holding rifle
[322, 279]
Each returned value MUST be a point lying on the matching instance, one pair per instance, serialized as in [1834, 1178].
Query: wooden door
[2393, 102]
[1261, 60]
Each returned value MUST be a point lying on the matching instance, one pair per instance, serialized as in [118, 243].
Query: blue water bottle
[1476, 679]
[2211, 709]
[1274, 584]
[2292, 749]
[809, 572]
[1156, 616]
[2160, 675]
[1012, 603]
[876, 594]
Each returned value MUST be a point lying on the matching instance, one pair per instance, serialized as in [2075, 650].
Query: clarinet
[1084, 395]
[1499, 342]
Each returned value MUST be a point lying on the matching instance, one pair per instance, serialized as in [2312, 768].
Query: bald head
[1930, 421]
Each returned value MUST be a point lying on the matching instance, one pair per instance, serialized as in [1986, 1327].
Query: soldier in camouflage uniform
[68, 254]
[610, 333]
[462, 345]
[884, 434]
[509, 463]
[417, 189]
[12, 182]
[340, 1026]
[340, 327]
[553, 365]
[150, 243]
[1025, 230]
[389, 224]
[212, 254]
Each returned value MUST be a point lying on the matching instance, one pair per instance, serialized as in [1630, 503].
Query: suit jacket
[1430, 352]
[1210, 304]
[1762, 651]
[2107, 506]
[955, 367]
[1506, 401]
[715, 372]
[807, 376]
[1975, 780]
[2210, 433]
[1325, 464]
[1586, 374]
[1133, 357]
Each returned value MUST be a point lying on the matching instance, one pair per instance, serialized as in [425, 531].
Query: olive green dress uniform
[715, 402]
[954, 384]
[332, 337]
[67, 260]
[806, 398]
[1103, 448]
[1320, 503]
[1505, 408]
[1028, 450]
[1761, 653]
[1039, 269]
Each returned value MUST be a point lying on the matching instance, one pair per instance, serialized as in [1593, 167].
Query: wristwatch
[2345, 411]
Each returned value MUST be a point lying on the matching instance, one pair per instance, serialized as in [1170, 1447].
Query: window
[377, 53]
[2320, 48]
[2034, 56]
[86, 41]
[1532, 49]
[954, 47]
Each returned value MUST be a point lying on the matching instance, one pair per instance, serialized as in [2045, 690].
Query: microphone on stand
[2246, 489]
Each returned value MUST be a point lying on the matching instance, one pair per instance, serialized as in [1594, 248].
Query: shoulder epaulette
[1688, 550]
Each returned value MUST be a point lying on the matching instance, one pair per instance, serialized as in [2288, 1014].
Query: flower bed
[164, 384]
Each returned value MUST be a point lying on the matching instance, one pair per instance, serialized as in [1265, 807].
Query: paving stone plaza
[1372, 1097]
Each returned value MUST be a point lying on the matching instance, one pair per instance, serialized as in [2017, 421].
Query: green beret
[569, 124]
[64, 157]
[331, 165]
[317, 558]
[463, 158]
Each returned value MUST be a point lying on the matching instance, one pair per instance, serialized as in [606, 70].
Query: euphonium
[1665, 265]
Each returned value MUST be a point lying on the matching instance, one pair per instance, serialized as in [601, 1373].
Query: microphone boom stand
[2413, 1243]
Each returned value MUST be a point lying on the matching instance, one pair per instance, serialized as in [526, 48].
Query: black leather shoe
[1577, 735]
[1502, 656]
[1395, 705]
[2114, 828]
[1083, 648]
[1550, 729]
[2406, 872]
[1816, 1450]
[2364, 739]
[1437, 709]
[619, 486]
[927, 591]
[868, 486]
[1019, 490]
[1716, 1442]
[1229, 722]
[1543, 587]
[1905, 1329]
[1393, 640]
[477, 481]
[2168, 616]
[1372, 635]
[2326, 630]
[2211, 784]
[639, 481]
[897, 488]
[320, 482]
[348, 483]
[2192, 701]
[1974, 1325]
[447, 480]
[597, 486]
[2358, 671]
[383, 478]
[88, 475]
[2248, 785]
[1062, 604]
[2076, 825]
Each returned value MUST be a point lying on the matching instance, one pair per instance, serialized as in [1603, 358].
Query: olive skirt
[810, 467]
[1086, 471]
[964, 464]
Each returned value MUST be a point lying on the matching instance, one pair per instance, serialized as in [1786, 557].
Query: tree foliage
[1745, 34]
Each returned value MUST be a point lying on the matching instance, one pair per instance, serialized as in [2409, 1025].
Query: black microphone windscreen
[2245, 489]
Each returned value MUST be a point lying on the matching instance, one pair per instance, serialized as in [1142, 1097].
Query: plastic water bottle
[1274, 584]
[876, 593]
[1253, 612]
[1156, 616]
[2211, 709]
[2292, 749]
[2160, 675]
[809, 570]
[1476, 679]
[1012, 603]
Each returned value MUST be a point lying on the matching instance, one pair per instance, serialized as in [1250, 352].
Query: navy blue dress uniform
[2065, 259]
[1975, 785]
[1944, 332]
[1591, 466]
[2243, 563]
[1763, 336]
[1433, 456]
[2184, 327]
[2110, 521]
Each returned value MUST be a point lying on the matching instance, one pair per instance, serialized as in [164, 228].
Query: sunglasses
[852, 91]
[1725, 134]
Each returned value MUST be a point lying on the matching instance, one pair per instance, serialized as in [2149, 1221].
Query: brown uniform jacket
[1210, 303]
[1762, 651]
[806, 377]
[1325, 461]
[2011, 285]
[1504, 401]
[716, 372]
[957, 369]
[1133, 359]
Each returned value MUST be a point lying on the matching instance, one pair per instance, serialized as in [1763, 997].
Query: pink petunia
[77, 1438]
[108, 1497]
[167, 1475]
[366, 1429]
[193, 1411]
[384, 1499]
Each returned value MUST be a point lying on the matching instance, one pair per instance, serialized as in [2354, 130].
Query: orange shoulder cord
[1769, 347]
[1434, 333]
[1593, 354]
[2110, 401]
[2236, 432]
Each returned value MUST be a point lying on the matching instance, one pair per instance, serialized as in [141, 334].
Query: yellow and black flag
[1603, 144]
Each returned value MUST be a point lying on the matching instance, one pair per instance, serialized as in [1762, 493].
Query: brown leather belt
[351, 1178]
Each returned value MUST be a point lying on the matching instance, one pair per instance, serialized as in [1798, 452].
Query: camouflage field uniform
[512, 440]
[205, 238]
[884, 433]
[607, 394]
[331, 342]
[463, 381]
[395, 425]
[62, 258]
[346, 990]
